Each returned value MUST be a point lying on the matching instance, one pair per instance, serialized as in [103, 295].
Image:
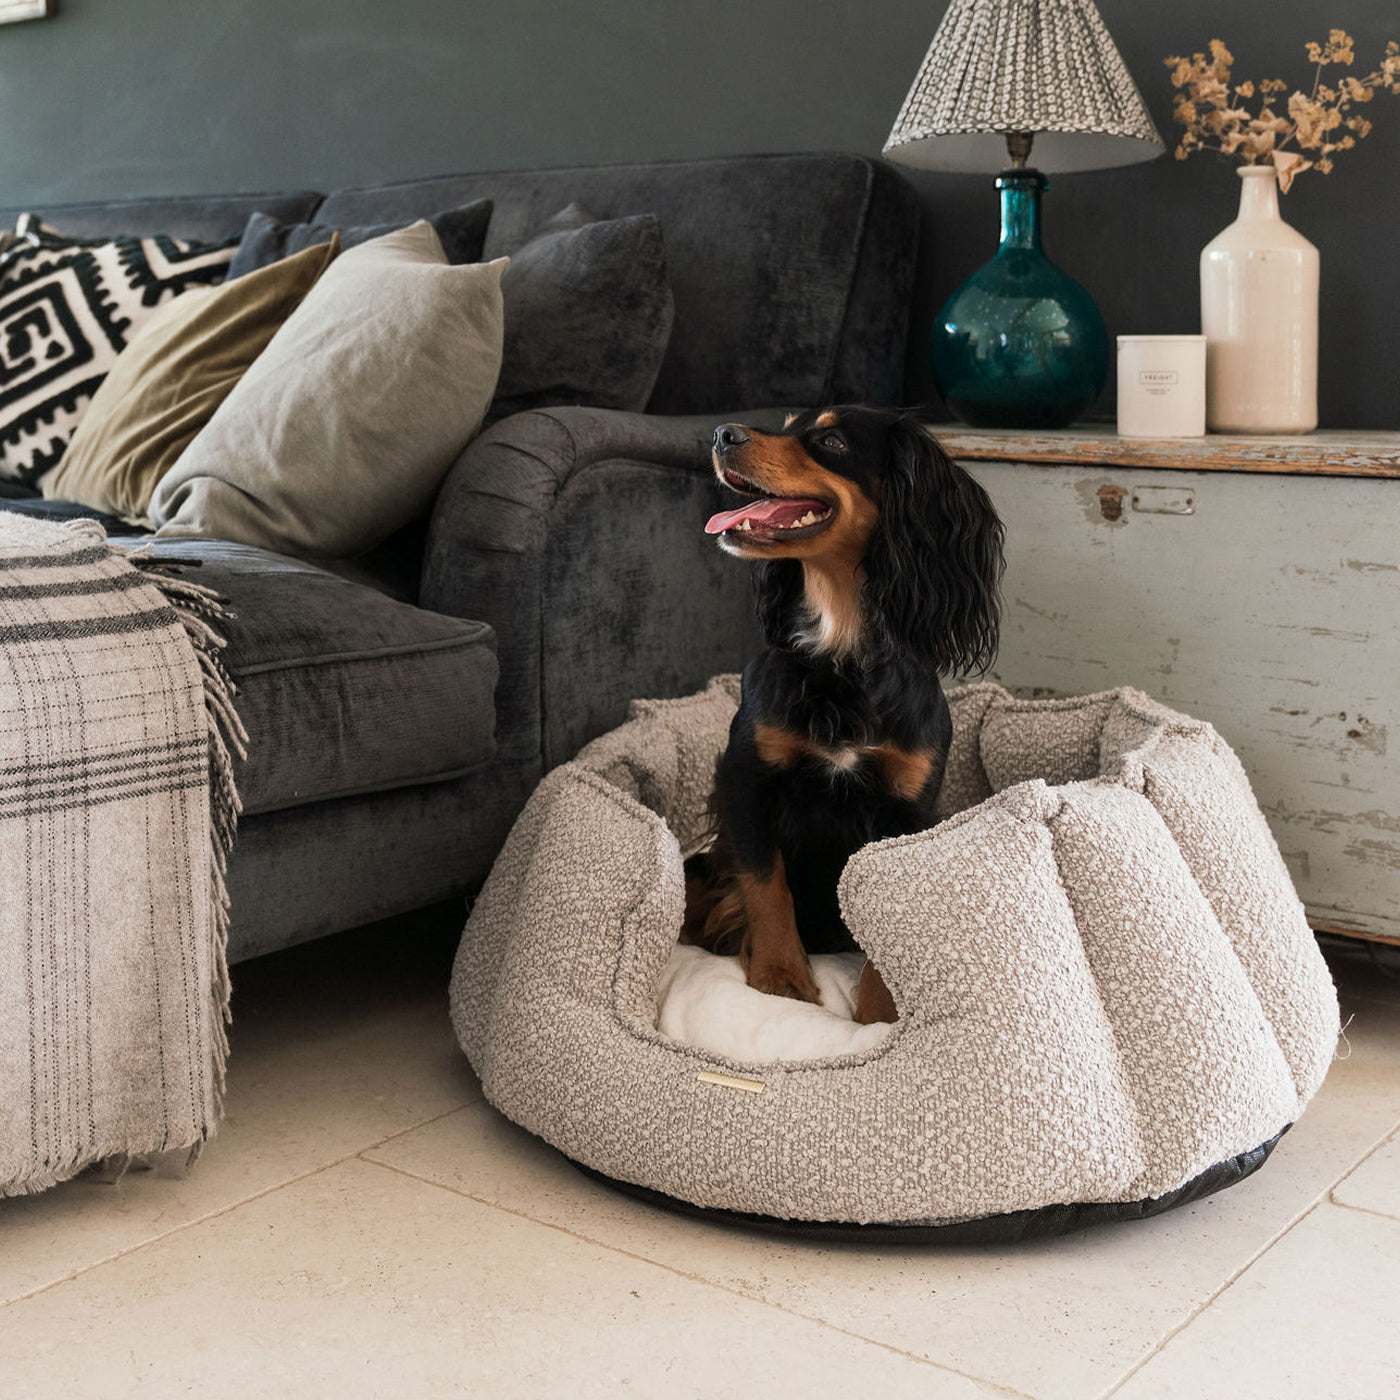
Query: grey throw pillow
[343, 428]
[588, 315]
[461, 231]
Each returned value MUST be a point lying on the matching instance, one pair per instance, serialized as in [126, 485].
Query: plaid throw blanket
[117, 808]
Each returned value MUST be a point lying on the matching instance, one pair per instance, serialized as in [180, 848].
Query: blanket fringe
[201, 612]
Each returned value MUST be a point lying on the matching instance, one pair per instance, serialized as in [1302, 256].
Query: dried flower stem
[1214, 116]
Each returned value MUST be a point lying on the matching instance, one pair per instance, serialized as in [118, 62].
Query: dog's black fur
[843, 730]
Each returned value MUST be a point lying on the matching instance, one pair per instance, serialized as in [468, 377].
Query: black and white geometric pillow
[67, 309]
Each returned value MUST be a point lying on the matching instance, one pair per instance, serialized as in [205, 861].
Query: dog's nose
[729, 435]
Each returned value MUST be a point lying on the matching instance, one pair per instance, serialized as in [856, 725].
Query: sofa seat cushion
[342, 689]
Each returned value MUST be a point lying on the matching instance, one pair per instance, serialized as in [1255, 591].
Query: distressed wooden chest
[1253, 582]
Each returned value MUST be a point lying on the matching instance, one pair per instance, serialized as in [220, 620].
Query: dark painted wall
[139, 97]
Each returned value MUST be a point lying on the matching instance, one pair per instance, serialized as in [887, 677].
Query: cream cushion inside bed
[704, 1001]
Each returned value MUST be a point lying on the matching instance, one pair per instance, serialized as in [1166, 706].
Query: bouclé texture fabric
[1105, 980]
[117, 809]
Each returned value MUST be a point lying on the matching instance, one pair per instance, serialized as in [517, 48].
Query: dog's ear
[934, 563]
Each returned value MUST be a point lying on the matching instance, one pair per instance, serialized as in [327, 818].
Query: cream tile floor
[365, 1225]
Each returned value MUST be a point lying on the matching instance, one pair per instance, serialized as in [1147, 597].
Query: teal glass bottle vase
[1020, 344]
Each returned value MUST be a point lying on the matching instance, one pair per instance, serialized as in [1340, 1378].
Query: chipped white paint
[1273, 611]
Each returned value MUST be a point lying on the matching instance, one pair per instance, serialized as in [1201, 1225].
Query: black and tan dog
[879, 562]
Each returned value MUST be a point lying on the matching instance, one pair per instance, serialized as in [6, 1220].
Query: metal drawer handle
[1164, 500]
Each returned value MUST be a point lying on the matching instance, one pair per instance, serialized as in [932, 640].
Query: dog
[878, 565]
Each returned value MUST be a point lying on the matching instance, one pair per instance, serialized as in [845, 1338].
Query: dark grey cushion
[342, 689]
[217, 216]
[588, 315]
[792, 275]
[266, 240]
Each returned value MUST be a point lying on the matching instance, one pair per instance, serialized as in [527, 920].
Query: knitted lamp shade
[1047, 67]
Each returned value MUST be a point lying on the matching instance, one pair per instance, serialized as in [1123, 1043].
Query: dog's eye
[833, 442]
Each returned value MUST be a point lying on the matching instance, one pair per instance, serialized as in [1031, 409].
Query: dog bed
[1110, 1001]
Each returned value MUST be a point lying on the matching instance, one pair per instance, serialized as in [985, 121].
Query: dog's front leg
[772, 955]
[873, 999]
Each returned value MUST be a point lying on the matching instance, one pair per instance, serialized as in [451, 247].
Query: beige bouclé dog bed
[1110, 1000]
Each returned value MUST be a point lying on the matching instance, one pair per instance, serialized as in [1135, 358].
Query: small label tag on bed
[730, 1081]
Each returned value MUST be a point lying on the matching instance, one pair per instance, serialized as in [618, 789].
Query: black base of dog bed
[1010, 1228]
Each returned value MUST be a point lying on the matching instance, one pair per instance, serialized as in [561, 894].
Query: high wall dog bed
[1110, 1002]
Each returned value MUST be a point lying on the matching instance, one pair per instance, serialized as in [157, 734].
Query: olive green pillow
[165, 386]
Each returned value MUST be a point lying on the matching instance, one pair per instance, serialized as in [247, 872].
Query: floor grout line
[698, 1278]
[1173, 1333]
[384, 1142]
[1360, 1162]
[221, 1210]
[1365, 1210]
[1324, 1197]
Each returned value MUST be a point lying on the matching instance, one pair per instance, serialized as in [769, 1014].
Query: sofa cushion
[342, 689]
[792, 275]
[67, 309]
[588, 311]
[16, 496]
[461, 231]
[168, 382]
[342, 429]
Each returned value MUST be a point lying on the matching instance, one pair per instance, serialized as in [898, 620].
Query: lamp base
[1029, 414]
[1020, 344]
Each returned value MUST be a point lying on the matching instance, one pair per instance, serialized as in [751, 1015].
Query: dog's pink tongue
[776, 513]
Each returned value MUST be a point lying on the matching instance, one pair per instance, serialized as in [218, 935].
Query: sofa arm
[578, 534]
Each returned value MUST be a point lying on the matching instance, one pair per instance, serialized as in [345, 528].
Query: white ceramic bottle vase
[1259, 317]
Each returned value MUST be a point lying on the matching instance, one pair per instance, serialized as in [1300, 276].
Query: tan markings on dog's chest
[780, 748]
[905, 772]
[832, 574]
[834, 604]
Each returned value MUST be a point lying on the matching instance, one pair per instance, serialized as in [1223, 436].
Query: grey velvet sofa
[403, 705]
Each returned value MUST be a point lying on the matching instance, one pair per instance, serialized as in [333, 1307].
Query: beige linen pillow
[168, 382]
[343, 428]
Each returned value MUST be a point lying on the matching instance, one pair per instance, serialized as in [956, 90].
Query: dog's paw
[783, 979]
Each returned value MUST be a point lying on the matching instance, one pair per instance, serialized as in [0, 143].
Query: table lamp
[1020, 344]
